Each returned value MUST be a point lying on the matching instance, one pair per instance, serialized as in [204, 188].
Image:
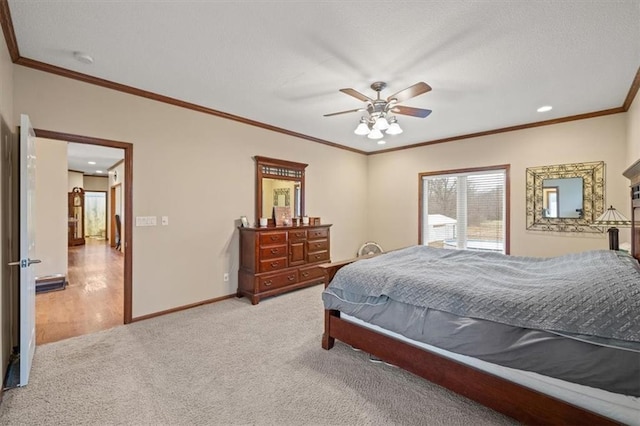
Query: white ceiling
[491, 64]
[79, 155]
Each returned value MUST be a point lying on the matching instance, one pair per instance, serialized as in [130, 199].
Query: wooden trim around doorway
[128, 200]
[112, 215]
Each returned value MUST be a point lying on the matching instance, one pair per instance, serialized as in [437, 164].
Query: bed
[549, 364]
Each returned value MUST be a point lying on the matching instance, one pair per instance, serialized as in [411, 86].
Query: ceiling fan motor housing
[377, 108]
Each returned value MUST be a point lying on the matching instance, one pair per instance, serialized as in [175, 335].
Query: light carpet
[228, 363]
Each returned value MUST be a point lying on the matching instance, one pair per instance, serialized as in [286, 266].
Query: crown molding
[508, 129]
[633, 91]
[7, 29]
[14, 52]
[42, 66]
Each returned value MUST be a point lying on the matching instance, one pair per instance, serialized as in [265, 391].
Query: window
[465, 209]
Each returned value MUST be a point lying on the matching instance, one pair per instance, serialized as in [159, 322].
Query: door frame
[111, 215]
[128, 203]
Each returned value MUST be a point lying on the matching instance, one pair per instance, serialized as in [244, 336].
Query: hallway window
[95, 204]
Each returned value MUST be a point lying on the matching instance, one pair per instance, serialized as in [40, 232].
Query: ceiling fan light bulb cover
[362, 129]
[394, 129]
[381, 124]
[375, 134]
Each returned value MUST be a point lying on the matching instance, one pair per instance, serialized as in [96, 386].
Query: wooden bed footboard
[330, 270]
[514, 400]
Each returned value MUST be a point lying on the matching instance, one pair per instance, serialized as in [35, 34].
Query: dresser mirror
[279, 183]
[565, 197]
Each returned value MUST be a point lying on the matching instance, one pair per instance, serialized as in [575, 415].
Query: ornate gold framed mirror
[565, 197]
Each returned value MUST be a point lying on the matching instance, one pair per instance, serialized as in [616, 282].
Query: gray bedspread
[594, 292]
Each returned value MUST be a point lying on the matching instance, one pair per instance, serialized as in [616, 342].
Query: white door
[27, 248]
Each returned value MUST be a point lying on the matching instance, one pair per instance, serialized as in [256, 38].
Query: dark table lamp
[612, 218]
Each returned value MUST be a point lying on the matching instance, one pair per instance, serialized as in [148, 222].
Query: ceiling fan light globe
[375, 134]
[394, 129]
[381, 124]
[362, 129]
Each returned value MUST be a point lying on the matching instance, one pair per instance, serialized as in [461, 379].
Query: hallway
[93, 299]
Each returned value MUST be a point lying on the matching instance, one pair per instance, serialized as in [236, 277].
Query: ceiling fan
[380, 110]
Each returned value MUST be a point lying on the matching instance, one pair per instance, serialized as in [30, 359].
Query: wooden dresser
[275, 260]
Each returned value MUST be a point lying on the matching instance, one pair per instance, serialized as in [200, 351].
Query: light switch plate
[165, 220]
[146, 221]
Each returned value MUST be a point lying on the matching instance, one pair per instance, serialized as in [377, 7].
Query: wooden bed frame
[514, 400]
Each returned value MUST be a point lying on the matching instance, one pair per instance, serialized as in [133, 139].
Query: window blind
[464, 210]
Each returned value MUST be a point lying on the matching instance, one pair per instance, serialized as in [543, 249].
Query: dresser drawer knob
[274, 238]
[291, 277]
[274, 264]
[318, 256]
[305, 274]
[267, 283]
[274, 251]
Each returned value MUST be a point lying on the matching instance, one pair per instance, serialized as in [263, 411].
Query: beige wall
[633, 132]
[95, 183]
[51, 207]
[393, 179]
[75, 180]
[198, 170]
[6, 116]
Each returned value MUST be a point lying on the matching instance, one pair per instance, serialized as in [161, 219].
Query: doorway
[110, 265]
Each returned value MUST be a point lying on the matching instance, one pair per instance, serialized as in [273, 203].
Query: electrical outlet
[226, 277]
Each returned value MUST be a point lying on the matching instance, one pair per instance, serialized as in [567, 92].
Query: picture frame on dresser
[282, 215]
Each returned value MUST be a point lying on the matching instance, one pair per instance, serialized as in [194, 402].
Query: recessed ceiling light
[85, 58]
[381, 142]
[92, 162]
[545, 108]
[99, 171]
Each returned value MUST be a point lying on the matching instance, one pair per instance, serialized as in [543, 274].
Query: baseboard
[182, 308]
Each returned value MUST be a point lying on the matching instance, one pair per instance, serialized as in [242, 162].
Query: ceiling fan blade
[415, 112]
[410, 92]
[344, 112]
[357, 95]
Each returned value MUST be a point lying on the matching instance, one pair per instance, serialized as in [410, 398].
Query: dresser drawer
[317, 256]
[272, 238]
[317, 245]
[271, 252]
[318, 233]
[311, 273]
[273, 264]
[298, 234]
[277, 280]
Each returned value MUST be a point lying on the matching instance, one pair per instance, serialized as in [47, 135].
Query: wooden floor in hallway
[93, 299]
